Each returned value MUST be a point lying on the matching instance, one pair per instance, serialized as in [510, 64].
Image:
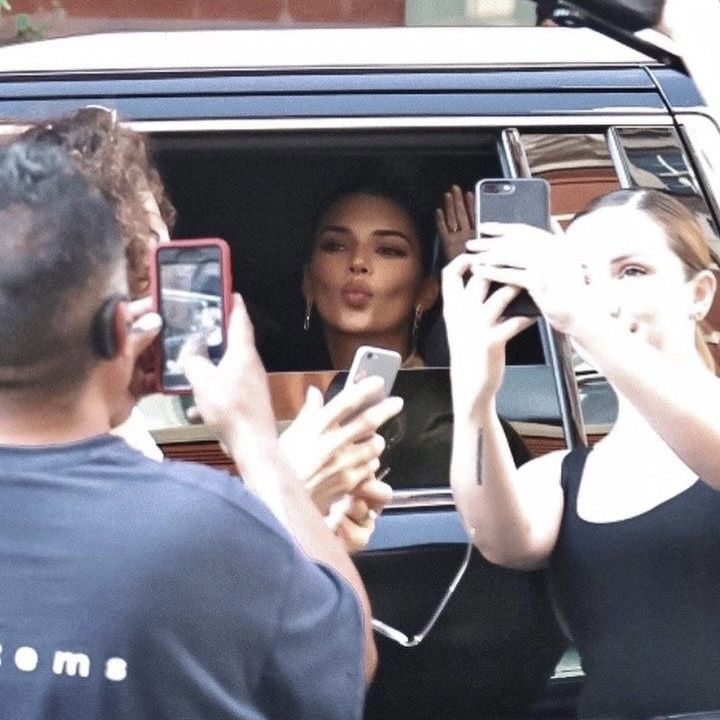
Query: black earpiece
[102, 332]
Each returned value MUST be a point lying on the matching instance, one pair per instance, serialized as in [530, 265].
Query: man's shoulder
[204, 487]
[191, 493]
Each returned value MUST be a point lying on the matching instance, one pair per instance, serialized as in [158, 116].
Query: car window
[582, 165]
[261, 192]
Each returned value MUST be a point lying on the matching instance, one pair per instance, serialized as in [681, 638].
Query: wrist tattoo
[478, 462]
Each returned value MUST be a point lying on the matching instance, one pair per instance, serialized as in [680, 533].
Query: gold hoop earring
[306, 318]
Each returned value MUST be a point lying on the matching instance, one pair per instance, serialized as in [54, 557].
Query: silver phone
[369, 361]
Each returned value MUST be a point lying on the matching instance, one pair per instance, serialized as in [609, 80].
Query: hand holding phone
[193, 293]
[369, 361]
[514, 200]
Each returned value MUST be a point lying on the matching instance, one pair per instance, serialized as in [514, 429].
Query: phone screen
[190, 301]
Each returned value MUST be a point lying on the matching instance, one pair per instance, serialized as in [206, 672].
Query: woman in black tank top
[631, 530]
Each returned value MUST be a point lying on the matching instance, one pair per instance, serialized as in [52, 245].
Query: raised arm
[679, 398]
[512, 515]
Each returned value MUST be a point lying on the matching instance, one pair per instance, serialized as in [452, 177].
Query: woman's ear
[428, 294]
[704, 288]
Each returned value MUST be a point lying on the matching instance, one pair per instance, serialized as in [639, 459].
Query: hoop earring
[416, 323]
[306, 318]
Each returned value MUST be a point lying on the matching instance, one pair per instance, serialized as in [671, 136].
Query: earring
[697, 315]
[306, 318]
[416, 323]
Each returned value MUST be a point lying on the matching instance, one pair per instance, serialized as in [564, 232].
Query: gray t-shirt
[133, 589]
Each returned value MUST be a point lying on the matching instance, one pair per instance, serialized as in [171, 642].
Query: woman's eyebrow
[623, 258]
[333, 228]
[393, 233]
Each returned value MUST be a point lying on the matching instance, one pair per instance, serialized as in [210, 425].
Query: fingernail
[146, 323]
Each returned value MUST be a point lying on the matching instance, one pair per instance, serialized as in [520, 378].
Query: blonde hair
[685, 237]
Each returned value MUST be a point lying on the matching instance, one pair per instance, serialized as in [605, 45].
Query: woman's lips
[357, 297]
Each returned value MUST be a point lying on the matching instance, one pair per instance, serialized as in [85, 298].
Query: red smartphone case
[226, 280]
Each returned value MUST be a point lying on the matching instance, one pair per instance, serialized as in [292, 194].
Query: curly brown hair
[116, 159]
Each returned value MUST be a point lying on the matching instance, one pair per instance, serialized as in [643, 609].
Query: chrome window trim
[637, 118]
[618, 158]
[700, 133]
[390, 123]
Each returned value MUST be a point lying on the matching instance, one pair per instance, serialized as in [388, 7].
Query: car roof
[317, 48]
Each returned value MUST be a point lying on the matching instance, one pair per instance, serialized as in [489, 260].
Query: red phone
[192, 288]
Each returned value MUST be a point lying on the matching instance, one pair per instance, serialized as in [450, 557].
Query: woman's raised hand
[477, 334]
[455, 221]
[543, 263]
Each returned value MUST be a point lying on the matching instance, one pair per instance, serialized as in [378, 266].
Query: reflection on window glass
[577, 165]
[655, 158]
[579, 168]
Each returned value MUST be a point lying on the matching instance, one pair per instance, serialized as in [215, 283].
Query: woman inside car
[369, 279]
[630, 529]
[329, 459]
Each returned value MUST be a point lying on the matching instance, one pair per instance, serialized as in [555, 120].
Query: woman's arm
[680, 400]
[512, 515]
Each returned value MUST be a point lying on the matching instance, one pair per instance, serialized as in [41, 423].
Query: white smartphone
[369, 361]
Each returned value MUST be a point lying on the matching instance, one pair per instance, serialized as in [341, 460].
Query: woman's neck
[342, 346]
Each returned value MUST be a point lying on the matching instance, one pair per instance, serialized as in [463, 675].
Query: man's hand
[233, 397]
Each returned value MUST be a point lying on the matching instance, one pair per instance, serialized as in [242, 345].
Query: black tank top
[641, 598]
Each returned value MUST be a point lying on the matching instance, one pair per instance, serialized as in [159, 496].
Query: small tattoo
[478, 468]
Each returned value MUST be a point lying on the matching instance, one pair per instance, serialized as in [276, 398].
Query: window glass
[655, 158]
[262, 193]
[579, 168]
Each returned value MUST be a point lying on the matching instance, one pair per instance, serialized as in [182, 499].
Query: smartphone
[192, 288]
[514, 200]
[369, 361]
